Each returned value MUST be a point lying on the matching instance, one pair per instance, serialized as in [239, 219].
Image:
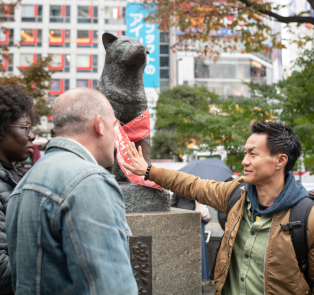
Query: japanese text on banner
[148, 35]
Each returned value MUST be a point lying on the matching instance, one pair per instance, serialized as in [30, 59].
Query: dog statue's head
[125, 50]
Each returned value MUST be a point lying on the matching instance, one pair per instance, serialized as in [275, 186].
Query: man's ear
[98, 126]
[282, 161]
[108, 38]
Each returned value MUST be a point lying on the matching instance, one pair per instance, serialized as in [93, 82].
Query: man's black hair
[14, 104]
[280, 139]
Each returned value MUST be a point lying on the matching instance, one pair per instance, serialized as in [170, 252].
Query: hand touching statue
[139, 165]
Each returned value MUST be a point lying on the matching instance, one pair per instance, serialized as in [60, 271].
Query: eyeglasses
[28, 128]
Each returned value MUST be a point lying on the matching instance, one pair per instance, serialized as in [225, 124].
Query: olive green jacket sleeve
[208, 192]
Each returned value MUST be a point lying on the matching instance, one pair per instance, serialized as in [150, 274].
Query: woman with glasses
[16, 145]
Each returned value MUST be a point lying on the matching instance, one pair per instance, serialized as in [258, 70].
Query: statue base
[140, 198]
[168, 245]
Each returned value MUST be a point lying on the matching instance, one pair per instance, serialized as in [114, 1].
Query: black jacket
[181, 202]
[184, 203]
[7, 184]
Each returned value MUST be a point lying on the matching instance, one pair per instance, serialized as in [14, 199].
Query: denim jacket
[66, 228]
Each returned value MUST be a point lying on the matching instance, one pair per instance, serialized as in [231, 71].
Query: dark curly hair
[14, 104]
[280, 139]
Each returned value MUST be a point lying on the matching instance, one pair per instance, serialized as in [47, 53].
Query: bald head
[75, 109]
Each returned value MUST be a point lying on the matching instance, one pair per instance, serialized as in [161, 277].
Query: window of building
[83, 12]
[55, 85]
[6, 63]
[164, 70]
[223, 71]
[3, 37]
[87, 14]
[10, 63]
[243, 69]
[164, 49]
[10, 32]
[164, 61]
[27, 11]
[83, 37]
[82, 83]
[26, 59]
[164, 73]
[60, 13]
[66, 84]
[226, 88]
[28, 35]
[95, 63]
[83, 60]
[11, 37]
[56, 36]
[31, 13]
[6, 12]
[90, 83]
[57, 60]
[115, 15]
[164, 37]
[86, 63]
[67, 61]
[224, 68]
[164, 84]
[7, 37]
[201, 68]
[257, 69]
[58, 86]
[3, 63]
[60, 63]
[59, 38]
[31, 37]
[55, 11]
[87, 39]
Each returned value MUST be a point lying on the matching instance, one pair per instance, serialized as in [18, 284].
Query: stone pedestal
[140, 198]
[176, 263]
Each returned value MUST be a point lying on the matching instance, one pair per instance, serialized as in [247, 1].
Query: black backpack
[297, 226]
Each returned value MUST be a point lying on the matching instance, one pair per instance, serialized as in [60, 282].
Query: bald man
[66, 226]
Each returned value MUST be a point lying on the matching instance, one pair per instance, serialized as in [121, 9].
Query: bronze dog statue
[122, 83]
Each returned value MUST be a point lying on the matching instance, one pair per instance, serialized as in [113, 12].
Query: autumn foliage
[211, 27]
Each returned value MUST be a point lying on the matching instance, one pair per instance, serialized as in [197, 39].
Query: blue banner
[147, 34]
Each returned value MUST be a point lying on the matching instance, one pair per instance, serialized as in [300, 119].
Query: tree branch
[280, 18]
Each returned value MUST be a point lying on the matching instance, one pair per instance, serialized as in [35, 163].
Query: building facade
[227, 74]
[71, 31]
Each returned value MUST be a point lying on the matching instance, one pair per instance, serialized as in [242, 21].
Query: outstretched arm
[208, 192]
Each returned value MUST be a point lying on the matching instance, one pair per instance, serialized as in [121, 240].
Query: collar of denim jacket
[72, 146]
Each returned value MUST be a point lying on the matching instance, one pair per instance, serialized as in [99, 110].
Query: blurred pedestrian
[16, 145]
[257, 254]
[184, 203]
[66, 225]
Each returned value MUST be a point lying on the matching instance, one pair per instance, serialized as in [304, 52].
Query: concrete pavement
[208, 289]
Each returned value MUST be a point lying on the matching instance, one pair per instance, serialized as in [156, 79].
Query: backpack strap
[235, 197]
[297, 225]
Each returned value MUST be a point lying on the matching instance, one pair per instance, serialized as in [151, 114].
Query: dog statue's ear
[108, 38]
[147, 50]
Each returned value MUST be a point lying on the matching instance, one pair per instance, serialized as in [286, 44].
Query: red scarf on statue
[134, 131]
